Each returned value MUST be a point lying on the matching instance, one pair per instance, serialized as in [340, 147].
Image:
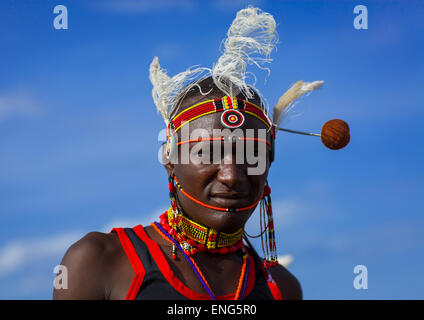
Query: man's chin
[228, 222]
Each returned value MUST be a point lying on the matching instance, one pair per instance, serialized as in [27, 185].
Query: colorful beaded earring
[267, 233]
[269, 247]
[174, 208]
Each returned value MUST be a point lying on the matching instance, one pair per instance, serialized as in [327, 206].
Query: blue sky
[78, 134]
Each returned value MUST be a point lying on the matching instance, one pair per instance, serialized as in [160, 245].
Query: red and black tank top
[154, 279]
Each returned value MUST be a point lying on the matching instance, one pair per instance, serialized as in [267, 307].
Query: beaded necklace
[241, 285]
[193, 237]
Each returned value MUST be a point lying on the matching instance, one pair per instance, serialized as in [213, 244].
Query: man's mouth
[230, 199]
[229, 195]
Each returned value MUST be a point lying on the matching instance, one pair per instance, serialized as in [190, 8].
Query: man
[100, 268]
[198, 248]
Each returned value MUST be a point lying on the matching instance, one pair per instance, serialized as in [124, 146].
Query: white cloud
[285, 260]
[17, 103]
[17, 254]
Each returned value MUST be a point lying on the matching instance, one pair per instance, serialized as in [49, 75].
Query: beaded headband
[233, 110]
[232, 117]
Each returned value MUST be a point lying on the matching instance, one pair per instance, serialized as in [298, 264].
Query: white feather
[285, 102]
[166, 89]
[159, 80]
[250, 39]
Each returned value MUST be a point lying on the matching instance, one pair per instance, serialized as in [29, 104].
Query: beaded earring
[173, 198]
[267, 233]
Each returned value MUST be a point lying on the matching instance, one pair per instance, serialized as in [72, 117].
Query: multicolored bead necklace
[193, 237]
[244, 274]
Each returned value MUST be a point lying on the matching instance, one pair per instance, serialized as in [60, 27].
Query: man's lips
[230, 199]
[229, 195]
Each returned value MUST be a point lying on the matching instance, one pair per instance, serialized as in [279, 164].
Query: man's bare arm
[86, 265]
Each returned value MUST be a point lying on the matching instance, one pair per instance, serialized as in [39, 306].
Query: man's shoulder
[94, 245]
[89, 263]
[287, 282]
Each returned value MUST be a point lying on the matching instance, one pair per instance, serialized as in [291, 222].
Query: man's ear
[167, 162]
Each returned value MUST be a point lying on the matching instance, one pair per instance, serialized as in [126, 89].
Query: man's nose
[232, 174]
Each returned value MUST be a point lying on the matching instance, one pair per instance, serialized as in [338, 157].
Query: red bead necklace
[191, 246]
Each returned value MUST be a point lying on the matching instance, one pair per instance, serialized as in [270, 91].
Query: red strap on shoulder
[275, 290]
[173, 280]
[273, 286]
[135, 262]
[164, 267]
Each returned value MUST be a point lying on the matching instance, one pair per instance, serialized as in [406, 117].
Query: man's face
[226, 180]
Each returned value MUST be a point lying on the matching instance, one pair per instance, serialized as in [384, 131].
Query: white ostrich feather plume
[250, 39]
[285, 103]
[165, 89]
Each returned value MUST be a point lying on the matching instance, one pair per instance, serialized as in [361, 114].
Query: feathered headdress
[250, 40]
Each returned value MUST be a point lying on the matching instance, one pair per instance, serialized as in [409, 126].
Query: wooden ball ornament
[335, 134]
